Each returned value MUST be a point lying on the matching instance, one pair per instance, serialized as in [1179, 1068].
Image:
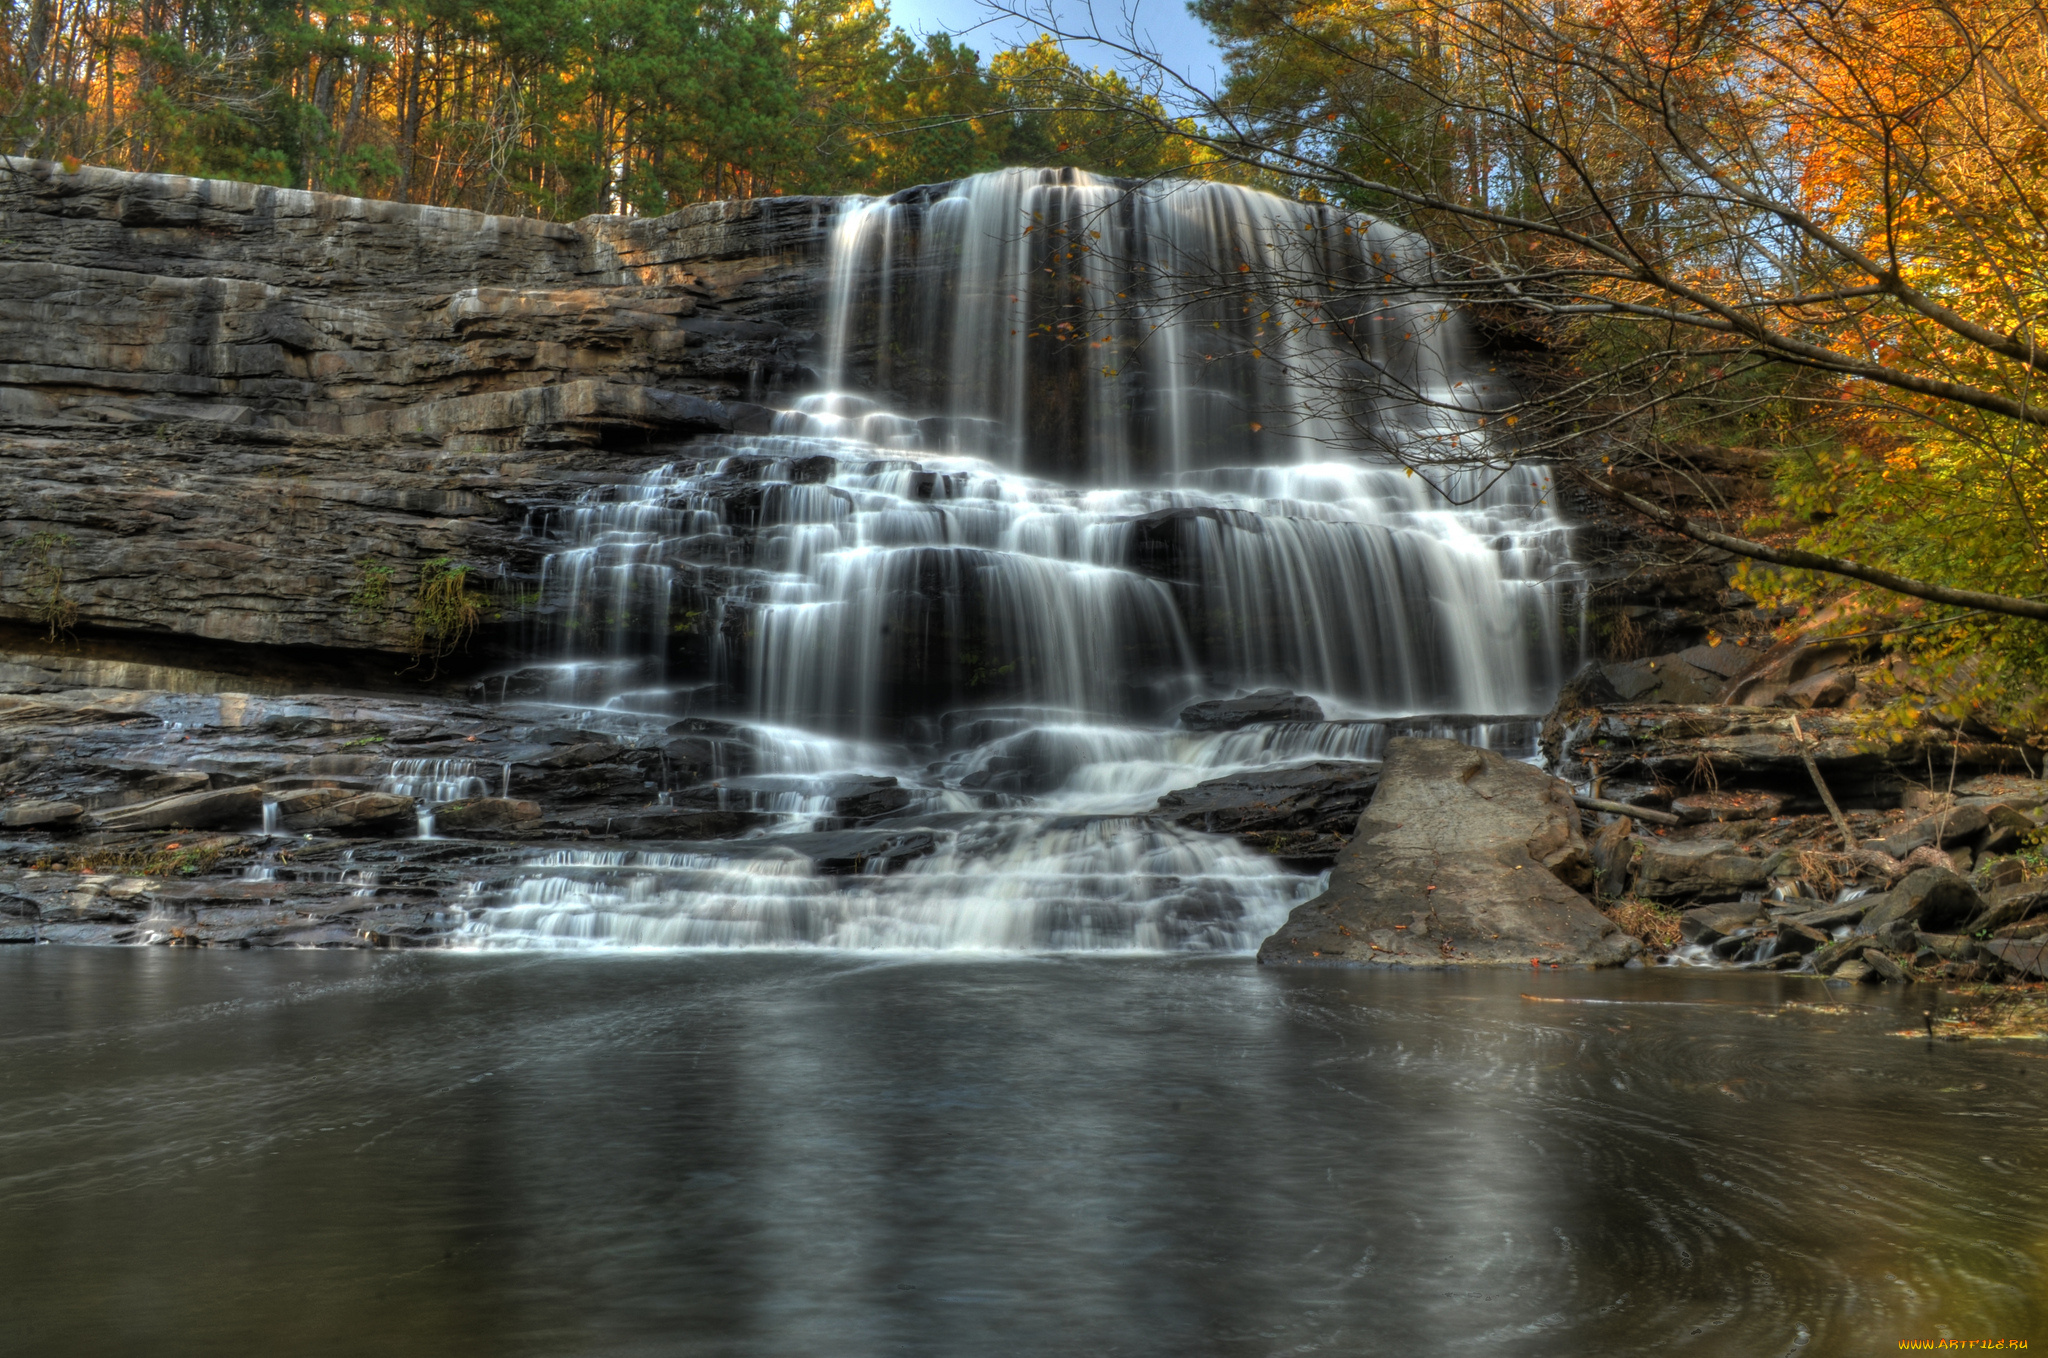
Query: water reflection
[768, 1155]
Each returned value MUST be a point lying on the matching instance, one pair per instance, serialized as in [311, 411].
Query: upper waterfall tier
[1102, 332]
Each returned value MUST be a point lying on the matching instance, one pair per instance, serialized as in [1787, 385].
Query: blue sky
[1166, 25]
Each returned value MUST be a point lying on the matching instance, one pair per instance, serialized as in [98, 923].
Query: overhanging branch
[1795, 559]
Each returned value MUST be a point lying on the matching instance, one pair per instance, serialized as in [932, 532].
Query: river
[767, 1153]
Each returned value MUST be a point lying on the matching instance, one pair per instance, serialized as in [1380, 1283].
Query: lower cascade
[913, 692]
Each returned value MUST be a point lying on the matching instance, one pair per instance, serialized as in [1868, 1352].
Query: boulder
[1940, 831]
[1264, 705]
[335, 808]
[229, 808]
[2008, 905]
[1459, 860]
[2026, 956]
[1712, 923]
[2006, 830]
[1831, 688]
[1686, 869]
[1948, 947]
[40, 815]
[1305, 811]
[1881, 965]
[1930, 898]
[1992, 873]
[486, 813]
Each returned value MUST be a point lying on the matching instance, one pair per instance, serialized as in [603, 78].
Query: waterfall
[1082, 459]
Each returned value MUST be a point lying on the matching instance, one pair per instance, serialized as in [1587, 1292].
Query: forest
[554, 108]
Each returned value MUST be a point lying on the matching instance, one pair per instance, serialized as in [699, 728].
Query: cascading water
[967, 631]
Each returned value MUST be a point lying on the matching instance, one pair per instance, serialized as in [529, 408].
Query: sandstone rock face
[1457, 862]
[232, 808]
[221, 402]
[27, 814]
[144, 298]
[343, 809]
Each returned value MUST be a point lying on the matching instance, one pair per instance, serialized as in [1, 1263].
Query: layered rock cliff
[234, 415]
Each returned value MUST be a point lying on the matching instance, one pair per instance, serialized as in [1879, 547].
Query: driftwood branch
[1624, 809]
[1827, 797]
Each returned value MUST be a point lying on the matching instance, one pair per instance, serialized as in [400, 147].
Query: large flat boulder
[1458, 862]
[1304, 812]
[1264, 705]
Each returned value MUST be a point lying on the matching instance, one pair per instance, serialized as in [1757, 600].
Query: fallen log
[1642, 813]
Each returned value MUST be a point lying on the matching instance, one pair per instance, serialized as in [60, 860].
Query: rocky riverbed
[224, 818]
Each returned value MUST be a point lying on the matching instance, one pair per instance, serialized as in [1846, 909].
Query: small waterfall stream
[987, 580]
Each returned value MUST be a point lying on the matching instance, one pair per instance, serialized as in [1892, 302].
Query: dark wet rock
[661, 822]
[703, 757]
[1590, 687]
[1930, 899]
[1696, 808]
[1882, 967]
[856, 851]
[1679, 870]
[1262, 705]
[1305, 811]
[346, 809]
[1712, 923]
[1456, 862]
[31, 814]
[577, 755]
[232, 808]
[486, 813]
[851, 797]
[1796, 938]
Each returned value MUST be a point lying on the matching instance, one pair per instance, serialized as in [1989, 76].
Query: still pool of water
[763, 1154]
